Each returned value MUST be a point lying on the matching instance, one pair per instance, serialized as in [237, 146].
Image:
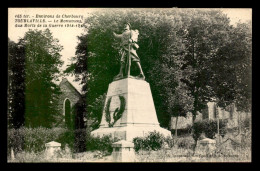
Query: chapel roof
[65, 81]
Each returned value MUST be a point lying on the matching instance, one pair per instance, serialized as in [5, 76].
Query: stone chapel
[67, 100]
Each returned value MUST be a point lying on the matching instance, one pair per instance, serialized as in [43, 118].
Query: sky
[236, 14]
[68, 36]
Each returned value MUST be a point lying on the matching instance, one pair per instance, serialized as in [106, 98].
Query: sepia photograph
[129, 85]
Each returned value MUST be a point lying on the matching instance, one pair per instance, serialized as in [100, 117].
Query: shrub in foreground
[153, 141]
[209, 127]
[185, 142]
[103, 144]
[34, 139]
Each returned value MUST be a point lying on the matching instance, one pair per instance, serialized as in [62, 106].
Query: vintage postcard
[129, 85]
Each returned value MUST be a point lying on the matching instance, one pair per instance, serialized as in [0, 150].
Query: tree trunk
[193, 120]
[193, 116]
[218, 129]
[176, 127]
[250, 123]
[239, 123]
[232, 111]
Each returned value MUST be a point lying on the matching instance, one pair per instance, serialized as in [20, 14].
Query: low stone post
[12, 154]
[206, 145]
[51, 148]
[123, 151]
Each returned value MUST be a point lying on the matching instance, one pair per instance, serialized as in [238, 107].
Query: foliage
[96, 109]
[24, 156]
[209, 128]
[97, 53]
[233, 69]
[34, 139]
[79, 109]
[226, 154]
[186, 142]
[245, 124]
[186, 155]
[74, 119]
[170, 141]
[185, 131]
[62, 155]
[42, 60]
[139, 143]
[201, 45]
[153, 141]
[103, 144]
[187, 56]
[67, 137]
[15, 139]
[16, 84]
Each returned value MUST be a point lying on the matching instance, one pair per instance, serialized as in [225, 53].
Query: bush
[185, 142]
[245, 123]
[30, 157]
[139, 143]
[15, 140]
[103, 144]
[34, 139]
[29, 139]
[153, 141]
[80, 140]
[170, 141]
[67, 137]
[209, 127]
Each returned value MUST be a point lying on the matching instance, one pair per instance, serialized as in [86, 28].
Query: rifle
[129, 58]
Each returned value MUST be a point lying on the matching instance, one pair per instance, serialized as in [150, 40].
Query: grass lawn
[182, 151]
[174, 154]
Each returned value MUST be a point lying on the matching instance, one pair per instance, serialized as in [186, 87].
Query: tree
[179, 51]
[79, 110]
[233, 72]
[42, 53]
[97, 58]
[16, 84]
[175, 93]
[233, 69]
[96, 109]
[203, 35]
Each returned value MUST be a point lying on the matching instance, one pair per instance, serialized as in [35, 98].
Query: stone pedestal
[206, 145]
[51, 148]
[139, 115]
[123, 151]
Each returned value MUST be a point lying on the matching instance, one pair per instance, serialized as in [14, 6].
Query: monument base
[128, 133]
[134, 98]
[123, 151]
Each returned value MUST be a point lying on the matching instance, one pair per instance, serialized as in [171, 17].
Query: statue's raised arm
[117, 35]
[128, 47]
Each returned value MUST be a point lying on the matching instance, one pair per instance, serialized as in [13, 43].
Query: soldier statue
[128, 47]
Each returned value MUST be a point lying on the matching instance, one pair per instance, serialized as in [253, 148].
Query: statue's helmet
[127, 24]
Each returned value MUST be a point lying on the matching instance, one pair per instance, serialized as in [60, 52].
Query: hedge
[34, 139]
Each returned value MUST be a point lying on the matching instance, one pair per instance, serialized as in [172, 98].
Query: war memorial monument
[129, 109]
